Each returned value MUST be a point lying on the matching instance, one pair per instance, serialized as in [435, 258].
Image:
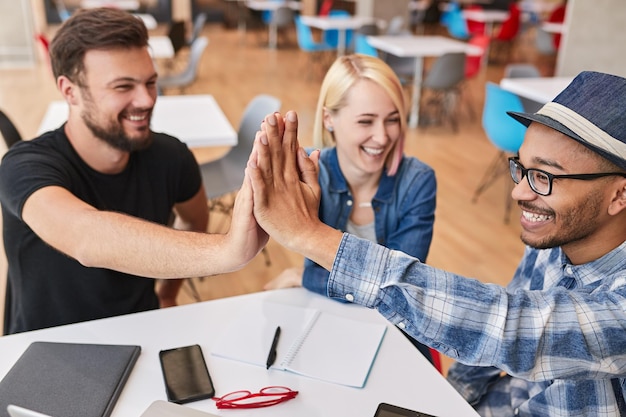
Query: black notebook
[68, 379]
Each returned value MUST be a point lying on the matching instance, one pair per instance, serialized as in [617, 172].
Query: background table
[553, 27]
[400, 374]
[340, 23]
[268, 5]
[540, 89]
[118, 4]
[160, 47]
[196, 120]
[419, 47]
[488, 17]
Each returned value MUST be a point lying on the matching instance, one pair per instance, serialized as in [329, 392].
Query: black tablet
[388, 410]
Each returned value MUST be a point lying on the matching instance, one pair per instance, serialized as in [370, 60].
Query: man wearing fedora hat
[553, 341]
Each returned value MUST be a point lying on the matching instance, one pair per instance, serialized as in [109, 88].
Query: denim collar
[338, 183]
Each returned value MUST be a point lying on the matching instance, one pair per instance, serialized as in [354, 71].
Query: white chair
[198, 25]
[187, 76]
[223, 177]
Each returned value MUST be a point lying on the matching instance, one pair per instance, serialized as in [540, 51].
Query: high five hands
[286, 192]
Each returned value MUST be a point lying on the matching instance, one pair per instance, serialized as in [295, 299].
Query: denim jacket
[404, 210]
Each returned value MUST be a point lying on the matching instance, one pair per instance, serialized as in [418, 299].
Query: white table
[160, 47]
[118, 4]
[540, 89]
[400, 374]
[419, 47]
[488, 17]
[270, 5]
[147, 20]
[196, 120]
[340, 23]
[553, 27]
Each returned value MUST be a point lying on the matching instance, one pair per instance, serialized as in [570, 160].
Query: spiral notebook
[312, 343]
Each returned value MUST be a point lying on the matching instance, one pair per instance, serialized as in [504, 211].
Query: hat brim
[527, 118]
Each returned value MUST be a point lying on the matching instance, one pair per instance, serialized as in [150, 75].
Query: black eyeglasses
[541, 181]
[266, 397]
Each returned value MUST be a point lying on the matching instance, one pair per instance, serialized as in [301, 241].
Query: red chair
[473, 65]
[557, 16]
[474, 27]
[507, 32]
[325, 8]
[436, 357]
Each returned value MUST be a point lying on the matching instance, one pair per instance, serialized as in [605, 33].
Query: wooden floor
[469, 239]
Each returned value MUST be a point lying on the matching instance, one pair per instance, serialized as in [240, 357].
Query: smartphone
[388, 410]
[186, 375]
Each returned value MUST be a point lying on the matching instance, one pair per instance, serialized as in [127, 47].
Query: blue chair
[305, 38]
[505, 133]
[266, 15]
[331, 37]
[308, 44]
[455, 22]
[362, 46]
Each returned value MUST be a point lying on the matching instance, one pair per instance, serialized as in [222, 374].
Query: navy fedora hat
[592, 111]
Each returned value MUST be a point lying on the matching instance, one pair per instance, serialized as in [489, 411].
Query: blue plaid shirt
[553, 343]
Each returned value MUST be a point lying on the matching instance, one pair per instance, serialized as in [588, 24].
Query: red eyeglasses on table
[266, 397]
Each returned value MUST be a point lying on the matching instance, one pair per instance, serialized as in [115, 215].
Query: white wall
[16, 34]
[595, 38]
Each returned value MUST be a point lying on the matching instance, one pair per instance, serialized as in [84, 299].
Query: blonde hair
[341, 76]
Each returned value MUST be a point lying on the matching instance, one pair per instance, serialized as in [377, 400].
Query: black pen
[272, 355]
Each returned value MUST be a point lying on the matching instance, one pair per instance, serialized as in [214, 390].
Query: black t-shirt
[49, 288]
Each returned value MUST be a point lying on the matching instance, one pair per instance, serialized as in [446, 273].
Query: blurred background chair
[397, 26]
[362, 46]
[474, 65]
[9, 132]
[223, 177]
[475, 27]
[544, 41]
[317, 52]
[404, 67]
[557, 16]
[188, 75]
[283, 18]
[454, 21]
[505, 133]
[441, 89]
[506, 35]
[331, 37]
[325, 7]
[198, 25]
[524, 71]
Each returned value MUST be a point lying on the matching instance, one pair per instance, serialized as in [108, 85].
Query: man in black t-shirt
[85, 208]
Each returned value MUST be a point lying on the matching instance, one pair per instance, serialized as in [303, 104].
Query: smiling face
[365, 129]
[117, 95]
[576, 214]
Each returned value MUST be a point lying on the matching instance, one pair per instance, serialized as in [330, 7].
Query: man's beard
[577, 223]
[113, 134]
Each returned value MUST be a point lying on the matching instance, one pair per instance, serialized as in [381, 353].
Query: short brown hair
[87, 29]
